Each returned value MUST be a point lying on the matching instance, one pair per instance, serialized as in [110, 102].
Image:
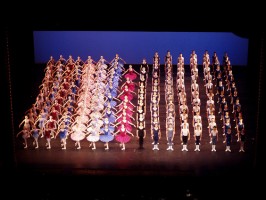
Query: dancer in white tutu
[93, 134]
[78, 133]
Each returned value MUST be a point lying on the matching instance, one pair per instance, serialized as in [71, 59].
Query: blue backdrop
[133, 46]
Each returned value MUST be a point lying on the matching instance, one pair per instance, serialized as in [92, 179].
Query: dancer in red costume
[131, 73]
[50, 127]
[126, 92]
[122, 136]
[129, 83]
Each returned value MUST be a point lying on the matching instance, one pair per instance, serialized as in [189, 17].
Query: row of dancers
[142, 103]
[155, 102]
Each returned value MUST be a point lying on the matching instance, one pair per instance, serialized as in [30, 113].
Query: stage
[177, 174]
[147, 162]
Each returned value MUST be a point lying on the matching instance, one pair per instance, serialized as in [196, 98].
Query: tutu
[79, 127]
[121, 118]
[84, 119]
[93, 138]
[106, 136]
[111, 117]
[129, 106]
[77, 136]
[112, 103]
[131, 75]
[130, 113]
[128, 94]
[131, 86]
[122, 138]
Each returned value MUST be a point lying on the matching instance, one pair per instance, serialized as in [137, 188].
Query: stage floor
[134, 161]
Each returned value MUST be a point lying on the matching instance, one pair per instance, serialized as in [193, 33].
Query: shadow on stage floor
[133, 161]
[134, 174]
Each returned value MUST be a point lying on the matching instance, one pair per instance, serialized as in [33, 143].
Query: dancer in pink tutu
[129, 83]
[126, 102]
[122, 136]
[126, 92]
[127, 124]
[124, 114]
[128, 110]
[131, 73]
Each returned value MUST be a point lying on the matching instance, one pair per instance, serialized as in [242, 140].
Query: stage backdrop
[133, 46]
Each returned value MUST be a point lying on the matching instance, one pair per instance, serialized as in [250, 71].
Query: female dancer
[130, 84]
[49, 129]
[121, 135]
[131, 73]
[62, 131]
[126, 92]
[27, 123]
[35, 132]
[94, 133]
[78, 132]
[25, 135]
[106, 135]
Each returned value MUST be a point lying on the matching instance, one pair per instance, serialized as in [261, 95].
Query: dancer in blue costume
[35, 133]
[118, 59]
[116, 77]
[110, 88]
[111, 99]
[106, 135]
[63, 132]
[110, 115]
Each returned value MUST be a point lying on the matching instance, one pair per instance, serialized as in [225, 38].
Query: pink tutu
[122, 138]
[131, 75]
